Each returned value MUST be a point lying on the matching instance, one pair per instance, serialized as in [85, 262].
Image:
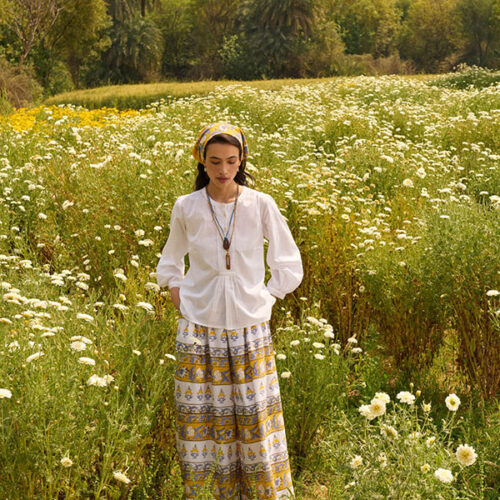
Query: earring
[204, 170]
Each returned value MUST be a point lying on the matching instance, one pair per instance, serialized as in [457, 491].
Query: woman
[228, 409]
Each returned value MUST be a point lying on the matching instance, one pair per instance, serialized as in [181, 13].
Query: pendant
[225, 243]
[228, 261]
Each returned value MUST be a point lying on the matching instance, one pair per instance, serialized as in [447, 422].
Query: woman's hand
[174, 295]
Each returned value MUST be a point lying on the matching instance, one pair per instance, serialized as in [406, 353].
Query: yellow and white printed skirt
[229, 421]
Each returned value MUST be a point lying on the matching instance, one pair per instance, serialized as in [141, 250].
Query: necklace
[226, 243]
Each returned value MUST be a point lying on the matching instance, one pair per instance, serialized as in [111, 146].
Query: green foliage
[463, 248]
[117, 419]
[320, 377]
[210, 22]
[5, 105]
[283, 16]
[480, 25]
[440, 280]
[325, 51]
[52, 73]
[404, 293]
[240, 62]
[175, 22]
[78, 39]
[430, 33]
[88, 43]
[368, 26]
[135, 50]
[276, 32]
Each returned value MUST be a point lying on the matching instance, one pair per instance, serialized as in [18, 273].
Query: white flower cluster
[377, 406]
[97, 381]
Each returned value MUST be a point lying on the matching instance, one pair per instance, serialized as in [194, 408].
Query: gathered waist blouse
[210, 294]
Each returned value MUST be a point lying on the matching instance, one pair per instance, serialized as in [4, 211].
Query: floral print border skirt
[229, 421]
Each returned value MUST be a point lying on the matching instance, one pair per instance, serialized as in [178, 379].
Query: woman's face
[222, 162]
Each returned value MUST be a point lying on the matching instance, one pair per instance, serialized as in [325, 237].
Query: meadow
[388, 352]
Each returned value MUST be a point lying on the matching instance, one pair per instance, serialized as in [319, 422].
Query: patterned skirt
[229, 422]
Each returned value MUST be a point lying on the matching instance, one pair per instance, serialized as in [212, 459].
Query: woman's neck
[223, 194]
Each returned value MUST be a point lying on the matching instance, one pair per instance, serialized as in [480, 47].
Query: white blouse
[210, 294]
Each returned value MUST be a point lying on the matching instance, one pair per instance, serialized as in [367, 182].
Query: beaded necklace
[226, 243]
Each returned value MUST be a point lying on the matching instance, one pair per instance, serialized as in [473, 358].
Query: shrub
[17, 86]
[238, 59]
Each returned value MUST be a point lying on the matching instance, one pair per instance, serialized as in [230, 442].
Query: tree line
[67, 44]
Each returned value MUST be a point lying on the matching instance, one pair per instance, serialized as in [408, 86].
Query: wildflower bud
[418, 393]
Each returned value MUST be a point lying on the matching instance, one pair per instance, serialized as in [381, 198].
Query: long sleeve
[170, 268]
[283, 256]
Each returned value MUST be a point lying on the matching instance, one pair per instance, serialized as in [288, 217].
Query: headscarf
[207, 132]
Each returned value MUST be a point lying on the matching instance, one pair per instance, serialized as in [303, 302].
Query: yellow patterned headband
[207, 132]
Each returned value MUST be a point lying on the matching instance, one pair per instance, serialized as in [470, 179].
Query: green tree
[149, 6]
[480, 28]
[388, 28]
[368, 26]
[211, 21]
[277, 31]
[176, 24]
[135, 50]
[79, 35]
[292, 17]
[431, 33]
[136, 43]
[30, 20]
[403, 6]
[325, 51]
[122, 10]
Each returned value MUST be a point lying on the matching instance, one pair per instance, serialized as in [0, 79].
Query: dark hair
[241, 177]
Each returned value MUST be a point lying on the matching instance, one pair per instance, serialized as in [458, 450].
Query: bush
[17, 86]
[404, 290]
[5, 105]
[52, 73]
[239, 64]
[366, 64]
[324, 52]
[391, 65]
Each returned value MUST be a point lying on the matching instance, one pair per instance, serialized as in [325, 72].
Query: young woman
[229, 417]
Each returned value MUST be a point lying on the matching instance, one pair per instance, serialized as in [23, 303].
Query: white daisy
[466, 454]
[5, 393]
[120, 476]
[444, 475]
[452, 402]
[406, 397]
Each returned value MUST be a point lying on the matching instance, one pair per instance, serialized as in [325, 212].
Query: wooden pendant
[228, 261]
[225, 243]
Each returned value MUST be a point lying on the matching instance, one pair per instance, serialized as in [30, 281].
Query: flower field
[388, 352]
